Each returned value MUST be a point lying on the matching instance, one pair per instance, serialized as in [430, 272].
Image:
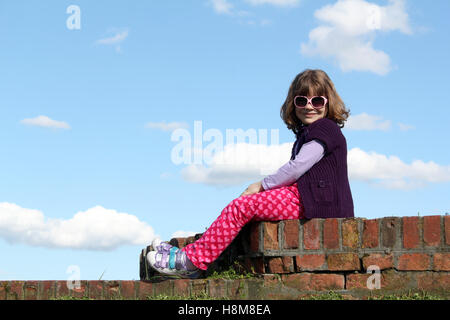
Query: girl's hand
[253, 188]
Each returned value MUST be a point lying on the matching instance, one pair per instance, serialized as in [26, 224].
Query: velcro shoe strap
[172, 256]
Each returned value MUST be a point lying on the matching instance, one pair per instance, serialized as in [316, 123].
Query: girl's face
[308, 114]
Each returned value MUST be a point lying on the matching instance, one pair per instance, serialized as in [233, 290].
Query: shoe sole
[170, 272]
[145, 271]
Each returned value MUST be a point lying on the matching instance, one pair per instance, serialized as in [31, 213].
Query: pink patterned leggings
[271, 205]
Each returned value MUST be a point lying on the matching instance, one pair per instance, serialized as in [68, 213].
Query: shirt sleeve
[310, 153]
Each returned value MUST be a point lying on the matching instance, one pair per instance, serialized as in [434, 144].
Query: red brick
[330, 233]
[432, 230]
[270, 235]
[383, 261]
[254, 265]
[411, 237]
[343, 261]
[181, 287]
[128, 289]
[271, 280]
[15, 291]
[61, 289]
[237, 288]
[96, 289]
[433, 281]
[46, 289]
[395, 280]
[164, 288]
[255, 232]
[309, 262]
[447, 230]
[280, 264]
[356, 281]
[370, 234]
[413, 261]
[350, 233]
[80, 292]
[311, 234]
[314, 281]
[199, 287]
[389, 280]
[112, 290]
[31, 290]
[389, 227]
[291, 234]
[145, 290]
[441, 262]
[217, 288]
[3, 286]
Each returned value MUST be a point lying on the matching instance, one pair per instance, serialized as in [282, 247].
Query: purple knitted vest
[325, 189]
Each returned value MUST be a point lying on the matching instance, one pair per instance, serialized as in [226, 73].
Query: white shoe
[171, 263]
[159, 246]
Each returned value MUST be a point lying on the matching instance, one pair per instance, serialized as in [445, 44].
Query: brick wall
[338, 244]
[291, 259]
[342, 253]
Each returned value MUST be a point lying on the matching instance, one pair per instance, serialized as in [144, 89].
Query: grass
[411, 295]
[232, 274]
[330, 295]
[202, 296]
[422, 295]
[71, 298]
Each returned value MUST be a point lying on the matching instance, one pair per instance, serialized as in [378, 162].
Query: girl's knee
[239, 210]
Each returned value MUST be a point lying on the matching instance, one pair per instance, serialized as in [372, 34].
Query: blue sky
[90, 112]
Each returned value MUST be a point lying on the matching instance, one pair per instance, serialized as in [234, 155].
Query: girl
[313, 184]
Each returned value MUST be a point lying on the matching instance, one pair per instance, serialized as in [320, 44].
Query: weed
[232, 274]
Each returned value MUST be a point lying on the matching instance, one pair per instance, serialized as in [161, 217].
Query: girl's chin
[309, 120]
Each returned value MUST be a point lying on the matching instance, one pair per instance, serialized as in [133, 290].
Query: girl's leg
[277, 204]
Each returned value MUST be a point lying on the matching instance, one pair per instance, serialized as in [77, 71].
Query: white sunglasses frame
[310, 102]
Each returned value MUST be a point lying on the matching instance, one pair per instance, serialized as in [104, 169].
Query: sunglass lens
[300, 101]
[318, 102]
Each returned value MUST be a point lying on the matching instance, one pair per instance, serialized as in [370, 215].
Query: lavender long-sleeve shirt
[310, 153]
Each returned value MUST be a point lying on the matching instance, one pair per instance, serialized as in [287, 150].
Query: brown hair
[313, 82]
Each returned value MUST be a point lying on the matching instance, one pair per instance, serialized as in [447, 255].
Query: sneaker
[161, 246]
[145, 271]
[172, 262]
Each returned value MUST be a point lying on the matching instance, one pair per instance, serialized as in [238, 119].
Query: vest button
[321, 183]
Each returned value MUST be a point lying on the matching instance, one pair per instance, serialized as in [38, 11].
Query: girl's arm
[310, 153]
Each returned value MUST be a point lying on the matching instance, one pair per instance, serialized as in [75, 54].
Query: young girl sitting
[313, 184]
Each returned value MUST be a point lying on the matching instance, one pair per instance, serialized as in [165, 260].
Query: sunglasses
[317, 102]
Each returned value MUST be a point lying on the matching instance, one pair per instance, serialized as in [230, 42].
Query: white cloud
[405, 127]
[239, 163]
[166, 126]
[225, 7]
[348, 31]
[221, 6]
[165, 175]
[278, 3]
[114, 40]
[392, 173]
[94, 229]
[183, 234]
[365, 121]
[242, 162]
[44, 121]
